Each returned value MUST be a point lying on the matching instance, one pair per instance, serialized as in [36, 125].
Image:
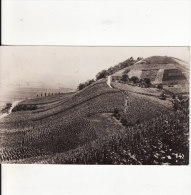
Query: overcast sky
[70, 65]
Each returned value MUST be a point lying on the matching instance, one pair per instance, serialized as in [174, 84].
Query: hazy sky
[69, 66]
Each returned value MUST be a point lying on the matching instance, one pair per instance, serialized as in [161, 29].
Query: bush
[125, 78]
[160, 86]
[116, 112]
[102, 74]
[173, 96]
[180, 97]
[163, 96]
[176, 105]
[83, 85]
[147, 81]
[135, 79]
[124, 121]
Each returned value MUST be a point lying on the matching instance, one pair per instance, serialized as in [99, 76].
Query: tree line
[104, 73]
[47, 94]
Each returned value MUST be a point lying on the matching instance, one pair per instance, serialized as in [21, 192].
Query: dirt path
[125, 106]
[109, 81]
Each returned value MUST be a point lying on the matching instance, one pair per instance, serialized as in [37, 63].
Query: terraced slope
[160, 69]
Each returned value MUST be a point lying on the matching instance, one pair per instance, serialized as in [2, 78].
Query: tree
[139, 58]
[8, 105]
[131, 59]
[102, 74]
[81, 86]
[147, 81]
[134, 79]
[160, 86]
[91, 81]
[125, 78]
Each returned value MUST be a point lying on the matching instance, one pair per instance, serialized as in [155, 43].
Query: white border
[124, 23]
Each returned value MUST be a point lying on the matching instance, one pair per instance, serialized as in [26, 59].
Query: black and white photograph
[94, 105]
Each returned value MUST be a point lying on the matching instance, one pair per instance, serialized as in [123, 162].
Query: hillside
[60, 125]
[159, 69]
[97, 123]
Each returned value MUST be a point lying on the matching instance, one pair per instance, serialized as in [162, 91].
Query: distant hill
[159, 69]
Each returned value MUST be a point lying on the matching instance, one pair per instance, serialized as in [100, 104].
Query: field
[58, 128]
[162, 140]
[138, 90]
[82, 128]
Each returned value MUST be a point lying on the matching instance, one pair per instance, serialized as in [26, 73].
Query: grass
[136, 89]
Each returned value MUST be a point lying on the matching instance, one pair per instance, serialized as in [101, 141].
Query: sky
[69, 66]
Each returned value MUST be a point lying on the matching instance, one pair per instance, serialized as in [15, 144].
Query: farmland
[68, 127]
[101, 123]
[162, 140]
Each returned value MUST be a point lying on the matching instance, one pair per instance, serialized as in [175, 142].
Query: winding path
[124, 92]
[109, 81]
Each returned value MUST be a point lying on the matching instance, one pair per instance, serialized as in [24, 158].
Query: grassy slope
[72, 122]
[143, 103]
[58, 128]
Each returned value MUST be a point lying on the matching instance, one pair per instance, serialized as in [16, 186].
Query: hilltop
[159, 69]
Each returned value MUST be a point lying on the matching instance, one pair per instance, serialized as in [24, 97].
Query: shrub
[124, 121]
[173, 96]
[125, 78]
[135, 79]
[180, 97]
[175, 105]
[163, 96]
[160, 86]
[83, 85]
[102, 74]
[116, 112]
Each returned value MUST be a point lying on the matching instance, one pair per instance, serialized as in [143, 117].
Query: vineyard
[69, 126]
[82, 128]
[162, 140]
